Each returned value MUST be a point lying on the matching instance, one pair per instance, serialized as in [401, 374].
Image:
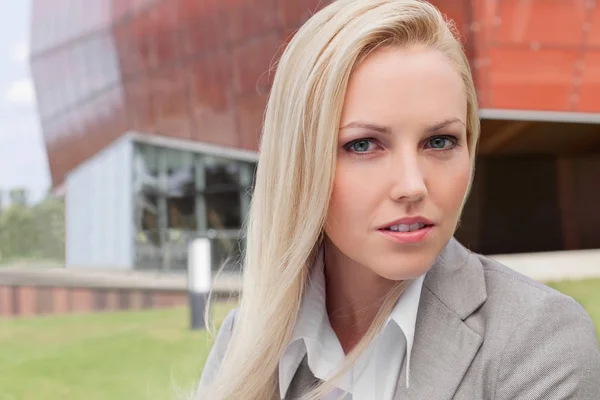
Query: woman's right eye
[360, 146]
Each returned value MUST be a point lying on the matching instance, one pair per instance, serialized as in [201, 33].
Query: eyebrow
[444, 123]
[385, 129]
[365, 125]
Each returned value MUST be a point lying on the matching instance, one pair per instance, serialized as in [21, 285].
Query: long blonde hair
[295, 176]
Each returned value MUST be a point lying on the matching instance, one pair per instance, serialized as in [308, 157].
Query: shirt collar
[312, 320]
[404, 315]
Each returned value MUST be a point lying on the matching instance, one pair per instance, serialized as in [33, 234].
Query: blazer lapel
[444, 345]
[303, 381]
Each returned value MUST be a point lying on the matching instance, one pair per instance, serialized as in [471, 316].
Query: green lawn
[130, 356]
[587, 293]
[119, 356]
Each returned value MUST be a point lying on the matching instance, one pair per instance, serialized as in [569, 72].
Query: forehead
[403, 86]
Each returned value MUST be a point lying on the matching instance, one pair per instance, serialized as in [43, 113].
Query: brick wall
[29, 293]
[27, 301]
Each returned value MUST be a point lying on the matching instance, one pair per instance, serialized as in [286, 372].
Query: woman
[353, 285]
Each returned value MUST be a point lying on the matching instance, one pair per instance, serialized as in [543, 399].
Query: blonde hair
[295, 176]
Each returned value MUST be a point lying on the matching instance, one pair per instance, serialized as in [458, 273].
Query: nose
[407, 178]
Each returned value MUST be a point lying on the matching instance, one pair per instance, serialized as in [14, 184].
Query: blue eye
[360, 146]
[442, 142]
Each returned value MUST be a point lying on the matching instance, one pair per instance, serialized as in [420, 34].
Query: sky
[23, 162]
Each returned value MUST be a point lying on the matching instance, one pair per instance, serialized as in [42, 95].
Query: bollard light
[199, 280]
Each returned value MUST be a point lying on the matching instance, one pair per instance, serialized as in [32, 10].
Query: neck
[354, 295]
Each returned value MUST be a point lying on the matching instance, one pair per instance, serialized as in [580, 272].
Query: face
[403, 165]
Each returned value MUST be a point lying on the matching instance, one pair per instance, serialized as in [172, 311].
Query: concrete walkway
[554, 265]
[110, 279]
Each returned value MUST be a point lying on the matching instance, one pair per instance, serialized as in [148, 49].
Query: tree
[18, 232]
[32, 232]
[49, 216]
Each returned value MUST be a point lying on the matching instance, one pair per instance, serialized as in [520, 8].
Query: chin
[394, 273]
[404, 266]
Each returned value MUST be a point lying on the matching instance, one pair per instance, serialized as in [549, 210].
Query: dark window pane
[226, 253]
[182, 213]
[222, 193]
[221, 174]
[146, 194]
[223, 210]
[181, 190]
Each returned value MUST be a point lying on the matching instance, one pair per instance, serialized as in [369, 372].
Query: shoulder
[217, 352]
[225, 331]
[499, 276]
[229, 321]
[546, 341]
[513, 298]
[522, 297]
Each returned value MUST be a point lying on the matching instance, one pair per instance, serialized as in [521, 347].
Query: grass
[31, 262]
[587, 293]
[131, 356]
[128, 355]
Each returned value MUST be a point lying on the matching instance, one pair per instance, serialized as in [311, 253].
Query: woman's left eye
[441, 142]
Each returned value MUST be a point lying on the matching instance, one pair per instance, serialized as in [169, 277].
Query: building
[151, 111]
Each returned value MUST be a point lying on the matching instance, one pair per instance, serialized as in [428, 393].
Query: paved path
[555, 265]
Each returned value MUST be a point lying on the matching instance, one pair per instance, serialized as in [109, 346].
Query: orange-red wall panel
[199, 69]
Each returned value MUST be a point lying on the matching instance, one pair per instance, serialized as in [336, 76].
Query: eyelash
[455, 142]
[348, 146]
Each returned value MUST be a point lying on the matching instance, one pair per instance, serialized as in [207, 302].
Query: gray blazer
[484, 332]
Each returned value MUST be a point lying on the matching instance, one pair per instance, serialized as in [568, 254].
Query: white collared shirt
[376, 374]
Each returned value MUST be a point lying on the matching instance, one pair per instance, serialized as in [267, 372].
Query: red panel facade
[199, 69]
[537, 54]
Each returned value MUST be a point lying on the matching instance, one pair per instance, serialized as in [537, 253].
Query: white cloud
[20, 93]
[19, 53]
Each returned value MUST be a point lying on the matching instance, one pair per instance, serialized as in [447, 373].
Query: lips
[406, 227]
[407, 230]
[408, 224]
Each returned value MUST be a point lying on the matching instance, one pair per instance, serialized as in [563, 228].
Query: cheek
[340, 206]
[352, 199]
[452, 185]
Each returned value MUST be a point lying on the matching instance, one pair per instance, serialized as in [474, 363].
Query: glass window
[180, 195]
[181, 190]
[226, 253]
[222, 193]
[146, 192]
